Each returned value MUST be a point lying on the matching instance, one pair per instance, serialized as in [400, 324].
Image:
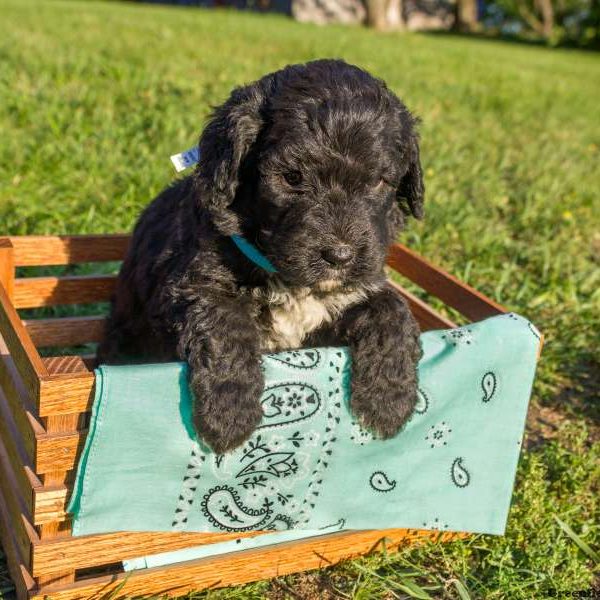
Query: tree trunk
[377, 14]
[395, 14]
[547, 12]
[385, 14]
[466, 15]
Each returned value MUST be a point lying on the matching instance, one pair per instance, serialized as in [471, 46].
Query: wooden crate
[44, 404]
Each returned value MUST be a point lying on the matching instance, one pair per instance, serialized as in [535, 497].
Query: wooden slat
[36, 292]
[18, 402]
[50, 455]
[24, 583]
[7, 266]
[68, 331]
[34, 250]
[21, 465]
[96, 550]
[21, 348]
[18, 514]
[39, 500]
[240, 567]
[55, 579]
[460, 296]
[427, 317]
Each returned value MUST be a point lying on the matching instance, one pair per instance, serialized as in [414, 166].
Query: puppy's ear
[412, 189]
[224, 147]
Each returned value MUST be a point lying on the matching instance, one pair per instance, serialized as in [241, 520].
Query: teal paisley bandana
[309, 466]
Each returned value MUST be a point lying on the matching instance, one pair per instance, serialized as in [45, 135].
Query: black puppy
[316, 165]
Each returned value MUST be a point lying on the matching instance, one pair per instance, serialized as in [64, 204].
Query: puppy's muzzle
[338, 256]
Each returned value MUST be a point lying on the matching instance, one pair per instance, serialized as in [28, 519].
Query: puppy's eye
[293, 178]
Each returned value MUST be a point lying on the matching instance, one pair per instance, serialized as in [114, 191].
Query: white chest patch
[287, 315]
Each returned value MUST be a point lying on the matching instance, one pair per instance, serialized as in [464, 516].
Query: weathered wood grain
[18, 403]
[39, 500]
[32, 250]
[53, 497]
[66, 394]
[239, 567]
[66, 331]
[35, 292]
[21, 465]
[49, 506]
[91, 551]
[21, 348]
[58, 452]
[18, 515]
[24, 583]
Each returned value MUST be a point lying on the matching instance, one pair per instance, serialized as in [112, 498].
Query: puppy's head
[316, 164]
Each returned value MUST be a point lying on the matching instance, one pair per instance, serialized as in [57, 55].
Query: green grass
[95, 97]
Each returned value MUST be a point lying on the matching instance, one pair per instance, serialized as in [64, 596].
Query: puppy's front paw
[384, 409]
[226, 415]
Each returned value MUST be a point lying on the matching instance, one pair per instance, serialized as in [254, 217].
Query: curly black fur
[317, 165]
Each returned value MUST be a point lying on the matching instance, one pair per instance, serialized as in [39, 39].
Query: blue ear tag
[251, 252]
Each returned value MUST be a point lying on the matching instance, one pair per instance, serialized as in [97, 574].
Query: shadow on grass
[577, 399]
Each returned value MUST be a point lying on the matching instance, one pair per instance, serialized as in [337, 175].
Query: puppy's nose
[338, 256]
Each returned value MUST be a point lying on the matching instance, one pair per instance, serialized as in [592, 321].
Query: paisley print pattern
[459, 336]
[188, 488]
[359, 435]
[310, 464]
[316, 482]
[380, 482]
[438, 435]
[459, 474]
[422, 402]
[489, 383]
[223, 508]
[274, 481]
[300, 359]
[288, 403]
[276, 464]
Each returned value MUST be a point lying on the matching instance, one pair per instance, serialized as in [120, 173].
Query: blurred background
[95, 97]
[564, 22]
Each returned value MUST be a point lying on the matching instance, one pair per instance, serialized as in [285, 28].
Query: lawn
[96, 96]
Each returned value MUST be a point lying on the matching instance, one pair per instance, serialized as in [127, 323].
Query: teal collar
[251, 252]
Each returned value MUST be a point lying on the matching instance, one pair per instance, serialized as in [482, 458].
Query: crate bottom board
[233, 568]
[237, 568]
